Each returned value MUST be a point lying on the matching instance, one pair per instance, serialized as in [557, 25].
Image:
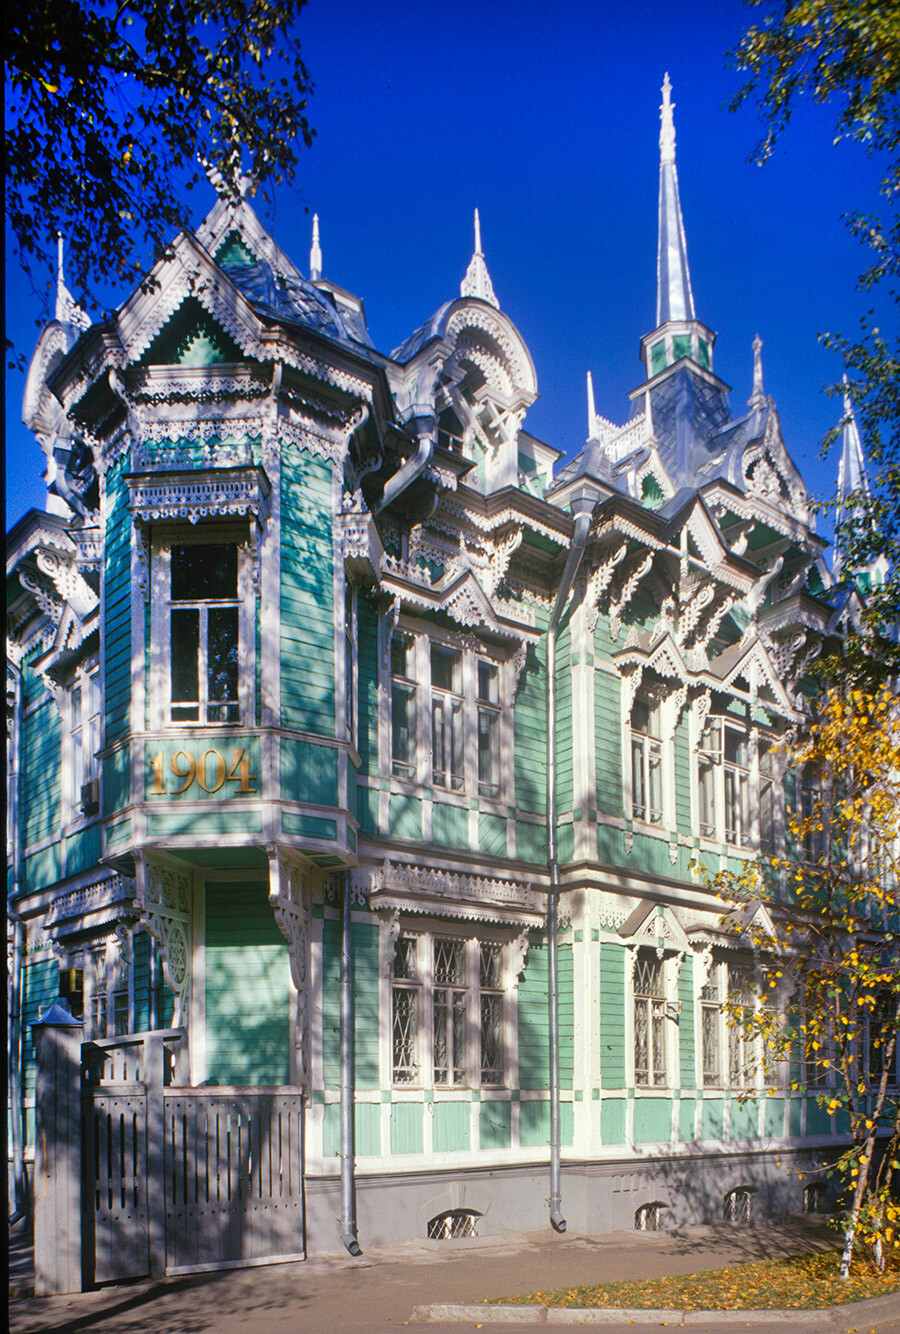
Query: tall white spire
[477, 281]
[315, 252]
[853, 487]
[592, 411]
[757, 397]
[674, 298]
[67, 309]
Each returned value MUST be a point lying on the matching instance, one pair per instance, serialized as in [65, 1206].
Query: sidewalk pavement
[389, 1289]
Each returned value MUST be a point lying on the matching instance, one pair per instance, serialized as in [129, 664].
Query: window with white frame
[84, 743]
[729, 1046]
[646, 760]
[736, 789]
[711, 1029]
[108, 990]
[447, 1011]
[446, 715]
[650, 1013]
[741, 1054]
[202, 628]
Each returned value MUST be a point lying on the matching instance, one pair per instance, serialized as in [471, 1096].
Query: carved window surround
[201, 493]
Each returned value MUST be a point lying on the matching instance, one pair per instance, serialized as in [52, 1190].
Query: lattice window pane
[712, 1057]
[405, 1023]
[491, 1039]
[491, 966]
[641, 1042]
[648, 976]
[449, 962]
[404, 966]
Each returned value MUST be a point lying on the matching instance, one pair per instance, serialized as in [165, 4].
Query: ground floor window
[447, 1011]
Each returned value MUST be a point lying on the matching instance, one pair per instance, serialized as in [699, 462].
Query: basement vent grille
[454, 1224]
[814, 1198]
[738, 1206]
[650, 1217]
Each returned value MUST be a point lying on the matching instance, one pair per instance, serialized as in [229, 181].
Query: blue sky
[546, 118]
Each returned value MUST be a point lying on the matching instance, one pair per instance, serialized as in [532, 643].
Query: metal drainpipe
[15, 987]
[423, 417]
[348, 1184]
[582, 508]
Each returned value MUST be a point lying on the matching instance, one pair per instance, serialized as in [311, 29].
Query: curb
[475, 1313]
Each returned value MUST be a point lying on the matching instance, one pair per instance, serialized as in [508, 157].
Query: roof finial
[477, 281]
[315, 252]
[667, 123]
[757, 397]
[853, 488]
[674, 298]
[67, 309]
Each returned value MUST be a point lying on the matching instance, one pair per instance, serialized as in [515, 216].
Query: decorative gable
[192, 337]
[654, 925]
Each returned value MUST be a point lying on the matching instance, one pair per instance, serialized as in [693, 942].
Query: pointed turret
[674, 298]
[315, 252]
[757, 398]
[852, 488]
[68, 312]
[477, 281]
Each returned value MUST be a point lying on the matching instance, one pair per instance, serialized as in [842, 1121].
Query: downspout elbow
[423, 417]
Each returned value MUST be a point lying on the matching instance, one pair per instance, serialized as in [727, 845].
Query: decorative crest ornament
[757, 398]
[667, 123]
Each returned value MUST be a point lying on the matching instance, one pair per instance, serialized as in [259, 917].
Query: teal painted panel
[686, 1120]
[612, 1015]
[652, 1120]
[117, 780]
[651, 855]
[818, 1122]
[40, 988]
[221, 767]
[83, 849]
[364, 947]
[405, 817]
[531, 842]
[366, 1130]
[42, 869]
[367, 809]
[612, 1120]
[795, 1117]
[564, 720]
[245, 821]
[533, 1020]
[41, 772]
[117, 833]
[117, 595]
[712, 1118]
[450, 824]
[307, 594]
[367, 684]
[744, 1119]
[308, 826]
[530, 724]
[608, 742]
[682, 776]
[773, 1117]
[141, 970]
[686, 1043]
[566, 842]
[406, 1127]
[494, 1125]
[534, 1124]
[248, 992]
[492, 835]
[451, 1131]
[309, 773]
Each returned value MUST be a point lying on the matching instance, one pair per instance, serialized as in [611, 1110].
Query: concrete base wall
[597, 1197]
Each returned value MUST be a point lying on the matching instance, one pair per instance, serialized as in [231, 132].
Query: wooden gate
[179, 1179]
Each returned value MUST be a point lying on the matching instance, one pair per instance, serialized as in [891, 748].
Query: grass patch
[799, 1283]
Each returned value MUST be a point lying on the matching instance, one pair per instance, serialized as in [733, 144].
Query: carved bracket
[165, 900]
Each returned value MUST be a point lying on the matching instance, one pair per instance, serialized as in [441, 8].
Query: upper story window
[736, 788]
[646, 760]
[83, 796]
[204, 634]
[447, 1012]
[446, 716]
[202, 637]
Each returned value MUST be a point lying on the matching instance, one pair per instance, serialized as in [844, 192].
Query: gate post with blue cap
[58, 1228]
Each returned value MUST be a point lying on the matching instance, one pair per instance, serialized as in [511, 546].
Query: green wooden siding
[117, 611]
[608, 743]
[534, 1124]
[117, 780]
[682, 776]
[366, 1130]
[494, 1125]
[612, 1015]
[40, 988]
[686, 1042]
[564, 777]
[652, 1120]
[451, 1127]
[533, 1020]
[83, 849]
[530, 723]
[744, 1119]
[364, 945]
[367, 684]
[612, 1121]
[248, 993]
[686, 1120]
[406, 817]
[492, 835]
[307, 594]
[450, 825]
[41, 769]
[712, 1118]
[407, 1134]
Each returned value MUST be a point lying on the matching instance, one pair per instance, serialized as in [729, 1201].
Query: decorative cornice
[397, 887]
[198, 494]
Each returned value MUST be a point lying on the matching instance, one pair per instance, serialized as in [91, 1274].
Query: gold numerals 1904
[210, 770]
